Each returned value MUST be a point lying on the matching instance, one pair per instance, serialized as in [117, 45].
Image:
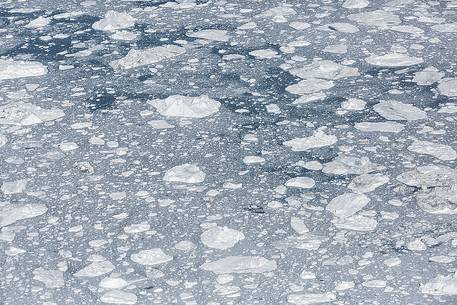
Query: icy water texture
[228, 152]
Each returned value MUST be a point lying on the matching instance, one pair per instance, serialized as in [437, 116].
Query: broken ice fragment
[114, 21]
[118, 297]
[50, 278]
[317, 140]
[185, 173]
[398, 111]
[347, 204]
[441, 151]
[10, 213]
[26, 114]
[95, 269]
[448, 87]
[137, 58]
[393, 60]
[11, 69]
[186, 106]
[240, 264]
[151, 257]
[311, 298]
[300, 182]
[441, 285]
[221, 237]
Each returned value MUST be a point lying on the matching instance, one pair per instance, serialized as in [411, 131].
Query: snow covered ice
[228, 152]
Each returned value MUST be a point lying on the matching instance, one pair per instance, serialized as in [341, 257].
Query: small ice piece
[186, 106]
[367, 182]
[388, 127]
[347, 204]
[349, 165]
[151, 257]
[137, 58]
[38, 23]
[410, 29]
[356, 223]
[10, 213]
[428, 76]
[353, 104]
[3, 140]
[398, 111]
[113, 283]
[303, 241]
[416, 245]
[344, 285]
[114, 21]
[324, 69]
[379, 18]
[317, 140]
[137, 228]
[26, 114]
[124, 35]
[13, 187]
[311, 298]
[11, 69]
[392, 262]
[50, 278]
[214, 35]
[118, 297]
[354, 4]
[375, 283]
[301, 182]
[307, 275]
[441, 285]
[185, 173]
[221, 238]
[253, 160]
[160, 124]
[393, 60]
[264, 53]
[336, 49]
[240, 264]
[298, 225]
[311, 85]
[95, 269]
[68, 146]
[437, 150]
[448, 87]
[342, 27]
[445, 27]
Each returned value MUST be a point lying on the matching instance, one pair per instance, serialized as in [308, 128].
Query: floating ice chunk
[348, 165]
[185, 245]
[281, 10]
[356, 223]
[347, 204]
[38, 23]
[445, 27]
[113, 283]
[124, 35]
[441, 285]
[437, 150]
[151, 257]
[355, 4]
[398, 111]
[342, 27]
[300, 182]
[137, 228]
[375, 284]
[185, 173]
[26, 114]
[310, 85]
[13, 187]
[367, 182]
[407, 29]
[3, 140]
[448, 87]
[428, 76]
[299, 25]
[11, 213]
[11, 69]
[392, 262]
[336, 49]
[297, 224]
[215, 35]
[253, 160]
[344, 285]
[311, 298]
[50, 278]
[377, 18]
[118, 297]
[114, 21]
[221, 238]
[264, 54]
[68, 146]
[393, 60]
[160, 124]
[186, 106]
[391, 127]
[240, 264]
[353, 104]
[317, 140]
[143, 57]
[325, 69]
[95, 269]
[303, 241]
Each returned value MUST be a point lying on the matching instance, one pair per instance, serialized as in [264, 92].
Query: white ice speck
[240, 264]
[151, 257]
[186, 106]
[185, 173]
[221, 237]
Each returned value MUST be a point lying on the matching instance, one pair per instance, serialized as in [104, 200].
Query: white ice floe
[137, 228]
[325, 69]
[311, 298]
[392, 60]
[300, 182]
[446, 27]
[118, 297]
[38, 23]
[298, 225]
[347, 204]
[410, 29]
[264, 53]
[389, 127]
[317, 140]
[215, 35]
[253, 160]
[50, 278]
[10, 213]
[96, 268]
[113, 283]
[114, 21]
[398, 111]
[137, 58]
[160, 124]
[310, 85]
[3, 140]
[221, 238]
[377, 18]
[441, 285]
[349, 165]
[304, 241]
[353, 104]
[355, 4]
[440, 151]
[428, 76]
[25, 114]
[240, 264]
[185, 173]
[11, 69]
[356, 223]
[367, 182]
[448, 87]
[186, 106]
[13, 187]
[151, 257]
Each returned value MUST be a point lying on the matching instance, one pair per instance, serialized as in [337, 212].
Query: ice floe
[448, 87]
[141, 57]
[317, 140]
[25, 114]
[398, 111]
[50, 278]
[311, 298]
[11, 69]
[441, 285]
[151, 257]
[186, 106]
[11, 213]
[114, 21]
[441, 151]
[221, 237]
[240, 264]
[392, 60]
[185, 173]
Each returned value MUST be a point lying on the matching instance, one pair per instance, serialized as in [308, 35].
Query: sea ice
[398, 111]
[240, 264]
[151, 257]
[317, 140]
[221, 238]
[10, 213]
[11, 69]
[114, 21]
[186, 106]
[185, 173]
[137, 58]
